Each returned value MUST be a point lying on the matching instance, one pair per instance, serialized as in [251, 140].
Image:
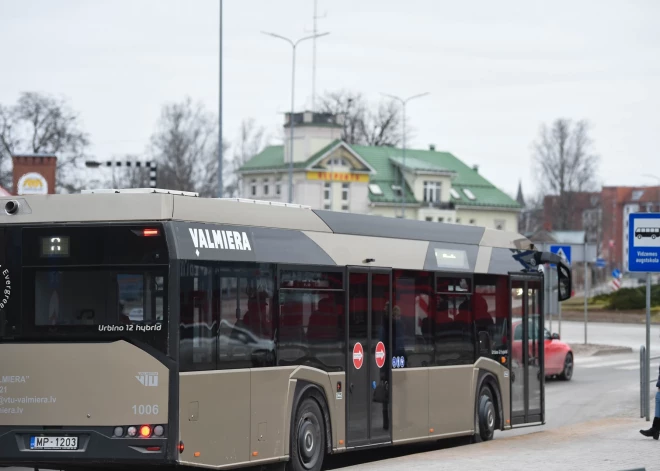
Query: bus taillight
[145, 431]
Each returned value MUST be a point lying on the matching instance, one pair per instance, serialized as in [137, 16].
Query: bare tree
[365, 124]
[250, 141]
[42, 124]
[565, 165]
[185, 146]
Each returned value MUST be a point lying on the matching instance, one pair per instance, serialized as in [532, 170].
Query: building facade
[330, 174]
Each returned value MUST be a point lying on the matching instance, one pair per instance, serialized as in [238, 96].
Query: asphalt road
[602, 387]
[624, 335]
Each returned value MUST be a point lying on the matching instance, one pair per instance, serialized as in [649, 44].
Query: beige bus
[147, 327]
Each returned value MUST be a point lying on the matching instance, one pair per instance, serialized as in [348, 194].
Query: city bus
[157, 328]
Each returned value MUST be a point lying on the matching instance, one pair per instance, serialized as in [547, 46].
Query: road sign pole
[586, 293]
[648, 340]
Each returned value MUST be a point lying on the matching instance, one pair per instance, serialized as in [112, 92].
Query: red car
[558, 355]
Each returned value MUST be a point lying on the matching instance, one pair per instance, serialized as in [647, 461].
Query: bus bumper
[95, 445]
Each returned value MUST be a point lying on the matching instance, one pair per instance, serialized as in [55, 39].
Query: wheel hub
[308, 445]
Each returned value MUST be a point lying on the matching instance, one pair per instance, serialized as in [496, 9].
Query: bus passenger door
[368, 369]
[527, 354]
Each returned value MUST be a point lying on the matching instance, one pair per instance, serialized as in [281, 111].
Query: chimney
[34, 174]
[431, 146]
[475, 167]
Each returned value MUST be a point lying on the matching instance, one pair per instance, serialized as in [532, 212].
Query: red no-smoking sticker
[380, 354]
[358, 355]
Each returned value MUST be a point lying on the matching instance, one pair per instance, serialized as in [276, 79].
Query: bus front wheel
[307, 438]
[485, 416]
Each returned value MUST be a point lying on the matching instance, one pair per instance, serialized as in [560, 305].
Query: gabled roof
[386, 162]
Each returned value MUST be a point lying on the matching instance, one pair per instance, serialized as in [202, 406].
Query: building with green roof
[329, 173]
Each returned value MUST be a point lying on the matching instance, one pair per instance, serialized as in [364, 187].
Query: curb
[591, 350]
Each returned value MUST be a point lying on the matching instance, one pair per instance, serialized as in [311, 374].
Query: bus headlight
[132, 431]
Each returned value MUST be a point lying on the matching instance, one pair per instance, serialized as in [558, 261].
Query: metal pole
[648, 343]
[559, 312]
[586, 293]
[642, 382]
[220, 182]
[403, 178]
[291, 123]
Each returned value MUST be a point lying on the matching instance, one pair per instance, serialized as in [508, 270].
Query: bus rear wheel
[307, 438]
[485, 416]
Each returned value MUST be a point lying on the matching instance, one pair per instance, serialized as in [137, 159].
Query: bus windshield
[91, 291]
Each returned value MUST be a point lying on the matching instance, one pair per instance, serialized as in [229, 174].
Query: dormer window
[432, 191]
[469, 194]
[455, 194]
[397, 190]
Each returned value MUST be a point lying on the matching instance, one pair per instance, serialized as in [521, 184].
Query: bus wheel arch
[309, 400]
[488, 413]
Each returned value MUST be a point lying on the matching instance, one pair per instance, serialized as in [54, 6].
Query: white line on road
[608, 363]
[636, 367]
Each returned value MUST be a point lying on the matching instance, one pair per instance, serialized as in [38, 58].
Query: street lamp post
[403, 105]
[293, 81]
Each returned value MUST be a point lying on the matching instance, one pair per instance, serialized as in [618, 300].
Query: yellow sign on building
[338, 176]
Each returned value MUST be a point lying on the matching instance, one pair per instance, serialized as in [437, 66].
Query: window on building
[432, 191]
[278, 186]
[326, 191]
[458, 220]
[441, 219]
[253, 187]
[473, 221]
[469, 194]
[448, 219]
[344, 191]
[326, 206]
[375, 189]
[266, 182]
[396, 189]
[344, 207]
[500, 224]
[455, 194]
[429, 218]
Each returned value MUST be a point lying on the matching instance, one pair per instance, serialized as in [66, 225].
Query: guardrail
[644, 381]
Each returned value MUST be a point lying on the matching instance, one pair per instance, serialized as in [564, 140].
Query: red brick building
[617, 203]
[33, 174]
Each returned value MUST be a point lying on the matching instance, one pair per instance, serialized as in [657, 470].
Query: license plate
[53, 443]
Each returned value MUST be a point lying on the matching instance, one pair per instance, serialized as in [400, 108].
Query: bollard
[642, 356]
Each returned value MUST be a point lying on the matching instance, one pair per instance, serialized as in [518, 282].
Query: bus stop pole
[647, 366]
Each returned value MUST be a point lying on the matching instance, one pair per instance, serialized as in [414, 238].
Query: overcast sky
[495, 70]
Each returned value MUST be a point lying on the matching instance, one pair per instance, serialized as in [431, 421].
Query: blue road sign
[564, 251]
[644, 242]
[600, 262]
[616, 273]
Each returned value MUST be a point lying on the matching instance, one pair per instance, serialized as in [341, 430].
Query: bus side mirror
[565, 282]
[563, 273]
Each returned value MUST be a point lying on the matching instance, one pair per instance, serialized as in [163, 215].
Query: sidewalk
[609, 444]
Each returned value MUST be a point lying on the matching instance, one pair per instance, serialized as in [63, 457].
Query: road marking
[636, 367]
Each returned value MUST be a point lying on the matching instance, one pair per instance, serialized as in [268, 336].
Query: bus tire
[486, 416]
[307, 437]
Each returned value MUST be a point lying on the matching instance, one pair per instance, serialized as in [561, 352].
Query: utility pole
[403, 180]
[220, 183]
[314, 32]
